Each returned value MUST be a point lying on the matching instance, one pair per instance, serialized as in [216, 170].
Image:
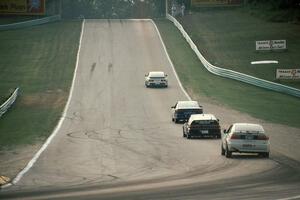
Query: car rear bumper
[248, 148]
[157, 85]
[204, 133]
[181, 119]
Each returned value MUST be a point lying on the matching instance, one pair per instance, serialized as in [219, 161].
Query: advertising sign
[214, 2]
[290, 74]
[278, 44]
[24, 7]
[14, 6]
[263, 45]
[270, 45]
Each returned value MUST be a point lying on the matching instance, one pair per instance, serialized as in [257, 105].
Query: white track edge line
[170, 61]
[57, 128]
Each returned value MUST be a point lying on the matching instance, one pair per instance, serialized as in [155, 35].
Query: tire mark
[110, 67]
[93, 67]
[75, 117]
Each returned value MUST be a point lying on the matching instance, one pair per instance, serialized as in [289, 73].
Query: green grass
[40, 60]
[260, 103]
[273, 11]
[226, 37]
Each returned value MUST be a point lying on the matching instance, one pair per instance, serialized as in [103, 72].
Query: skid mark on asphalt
[119, 139]
[96, 135]
[156, 159]
[110, 67]
[114, 177]
[75, 134]
[93, 67]
[121, 22]
[75, 117]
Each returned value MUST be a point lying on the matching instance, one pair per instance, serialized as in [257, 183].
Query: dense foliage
[276, 4]
[113, 8]
[275, 10]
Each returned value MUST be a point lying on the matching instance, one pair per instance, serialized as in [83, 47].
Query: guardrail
[30, 23]
[7, 104]
[233, 74]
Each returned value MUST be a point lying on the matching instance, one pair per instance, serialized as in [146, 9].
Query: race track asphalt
[117, 140]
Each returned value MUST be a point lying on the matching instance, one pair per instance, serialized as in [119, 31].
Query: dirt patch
[50, 98]
[13, 161]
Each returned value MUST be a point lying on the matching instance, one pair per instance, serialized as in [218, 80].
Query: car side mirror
[224, 131]
[145, 75]
[166, 75]
[173, 107]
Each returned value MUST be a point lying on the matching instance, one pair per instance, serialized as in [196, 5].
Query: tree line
[113, 8]
[276, 4]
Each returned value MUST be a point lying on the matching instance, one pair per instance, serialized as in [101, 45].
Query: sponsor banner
[263, 45]
[291, 74]
[13, 6]
[278, 44]
[214, 2]
[26, 7]
[270, 45]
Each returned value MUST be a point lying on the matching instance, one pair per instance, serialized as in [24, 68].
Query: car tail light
[234, 137]
[262, 137]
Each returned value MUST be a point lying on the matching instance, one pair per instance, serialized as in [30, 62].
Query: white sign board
[271, 45]
[278, 44]
[293, 74]
[263, 45]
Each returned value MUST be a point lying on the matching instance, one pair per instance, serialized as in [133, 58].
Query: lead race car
[156, 79]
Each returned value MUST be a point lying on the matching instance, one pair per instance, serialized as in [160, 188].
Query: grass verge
[15, 19]
[40, 60]
[226, 37]
[274, 11]
[260, 103]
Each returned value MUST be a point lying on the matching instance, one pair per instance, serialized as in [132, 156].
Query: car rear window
[205, 122]
[189, 111]
[157, 77]
[188, 104]
[249, 136]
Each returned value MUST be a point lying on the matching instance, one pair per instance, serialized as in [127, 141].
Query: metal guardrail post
[30, 23]
[8, 103]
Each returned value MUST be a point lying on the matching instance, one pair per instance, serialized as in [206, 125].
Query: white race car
[156, 79]
[245, 138]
